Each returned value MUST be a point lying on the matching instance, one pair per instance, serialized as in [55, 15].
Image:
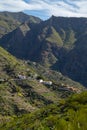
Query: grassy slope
[69, 114]
[53, 75]
[7, 24]
[20, 96]
[54, 37]
[10, 21]
[21, 17]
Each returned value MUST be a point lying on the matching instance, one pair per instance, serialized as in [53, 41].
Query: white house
[21, 76]
[45, 82]
[41, 81]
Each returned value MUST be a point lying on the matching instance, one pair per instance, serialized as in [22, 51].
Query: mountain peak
[20, 16]
[49, 43]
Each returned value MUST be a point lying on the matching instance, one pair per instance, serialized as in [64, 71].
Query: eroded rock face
[59, 43]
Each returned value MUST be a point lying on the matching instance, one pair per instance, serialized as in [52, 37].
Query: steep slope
[10, 21]
[16, 38]
[70, 114]
[55, 43]
[49, 38]
[7, 24]
[21, 91]
[18, 95]
[75, 65]
[20, 17]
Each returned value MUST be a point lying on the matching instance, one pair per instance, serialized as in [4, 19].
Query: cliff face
[59, 43]
[10, 21]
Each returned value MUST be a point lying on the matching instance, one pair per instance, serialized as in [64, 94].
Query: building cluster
[45, 82]
[21, 76]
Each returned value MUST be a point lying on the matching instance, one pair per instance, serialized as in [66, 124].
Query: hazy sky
[45, 8]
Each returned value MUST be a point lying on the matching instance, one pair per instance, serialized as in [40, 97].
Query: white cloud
[13, 5]
[74, 8]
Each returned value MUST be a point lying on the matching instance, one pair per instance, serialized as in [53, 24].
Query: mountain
[20, 95]
[58, 43]
[20, 17]
[7, 24]
[75, 64]
[10, 21]
[35, 89]
[21, 91]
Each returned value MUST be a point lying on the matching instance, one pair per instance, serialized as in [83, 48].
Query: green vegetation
[69, 39]
[54, 37]
[26, 103]
[70, 114]
[10, 21]
[20, 16]
[52, 75]
[22, 96]
[7, 24]
[56, 43]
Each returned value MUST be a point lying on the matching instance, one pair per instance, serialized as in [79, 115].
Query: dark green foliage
[18, 96]
[55, 43]
[54, 117]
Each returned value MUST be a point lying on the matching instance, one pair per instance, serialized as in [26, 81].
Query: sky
[46, 8]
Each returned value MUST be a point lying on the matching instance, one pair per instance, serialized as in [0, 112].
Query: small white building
[45, 82]
[41, 81]
[21, 76]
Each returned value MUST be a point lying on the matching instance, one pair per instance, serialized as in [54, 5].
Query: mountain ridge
[43, 78]
[51, 43]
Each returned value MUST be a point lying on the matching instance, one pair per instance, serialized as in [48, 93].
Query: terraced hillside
[18, 94]
[34, 93]
[21, 90]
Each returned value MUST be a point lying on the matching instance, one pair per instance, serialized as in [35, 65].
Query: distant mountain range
[58, 43]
